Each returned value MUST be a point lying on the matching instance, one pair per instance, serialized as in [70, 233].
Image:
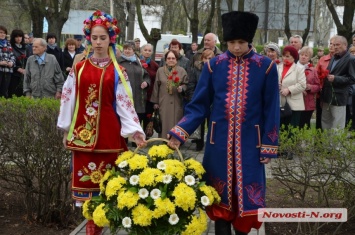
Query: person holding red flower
[169, 89]
[152, 67]
[312, 86]
[322, 70]
[7, 62]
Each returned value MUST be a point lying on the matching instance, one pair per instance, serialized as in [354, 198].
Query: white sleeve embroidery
[125, 110]
[67, 103]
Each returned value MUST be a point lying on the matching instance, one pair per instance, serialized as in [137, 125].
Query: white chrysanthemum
[134, 180]
[127, 222]
[92, 166]
[205, 201]
[155, 193]
[173, 219]
[90, 111]
[190, 180]
[161, 165]
[123, 164]
[167, 179]
[143, 193]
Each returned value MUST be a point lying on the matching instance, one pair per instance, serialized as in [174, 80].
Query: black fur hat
[239, 25]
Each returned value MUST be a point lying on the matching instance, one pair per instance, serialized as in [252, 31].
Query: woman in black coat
[69, 54]
[19, 50]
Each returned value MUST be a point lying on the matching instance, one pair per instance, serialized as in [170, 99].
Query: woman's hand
[174, 143]
[65, 136]
[156, 106]
[179, 89]
[285, 91]
[139, 139]
[144, 85]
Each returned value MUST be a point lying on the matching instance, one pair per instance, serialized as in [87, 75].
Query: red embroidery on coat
[219, 185]
[66, 95]
[273, 135]
[255, 194]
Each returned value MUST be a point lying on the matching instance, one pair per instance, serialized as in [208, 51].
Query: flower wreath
[103, 19]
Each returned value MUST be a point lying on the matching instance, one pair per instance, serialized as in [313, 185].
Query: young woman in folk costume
[97, 111]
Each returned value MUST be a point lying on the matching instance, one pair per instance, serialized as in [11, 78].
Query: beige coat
[170, 106]
[295, 81]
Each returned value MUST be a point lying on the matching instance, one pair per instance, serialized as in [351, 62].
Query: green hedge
[33, 162]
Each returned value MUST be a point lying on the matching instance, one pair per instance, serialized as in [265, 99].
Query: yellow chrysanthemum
[185, 197]
[113, 186]
[127, 199]
[217, 198]
[196, 166]
[106, 176]
[123, 157]
[207, 191]
[175, 168]
[160, 151]
[197, 225]
[99, 216]
[149, 177]
[85, 135]
[163, 207]
[141, 215]
[86, 212]
[138, 162]
[96, 176]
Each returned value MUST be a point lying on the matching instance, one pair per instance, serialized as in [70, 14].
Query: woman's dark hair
[51, 35]
[17, 33]
[3, 28]
[174, 52]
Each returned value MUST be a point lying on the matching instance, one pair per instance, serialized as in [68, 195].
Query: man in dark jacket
[336, 85]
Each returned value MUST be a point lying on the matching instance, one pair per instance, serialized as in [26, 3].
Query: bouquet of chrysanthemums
[152, 194]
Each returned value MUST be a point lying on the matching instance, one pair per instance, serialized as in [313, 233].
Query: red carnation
[174, 72]
[277, 61]
[144, 65]
[306, 72]
[170, 77]
[310, 65]
[176, 80]
[326, 72]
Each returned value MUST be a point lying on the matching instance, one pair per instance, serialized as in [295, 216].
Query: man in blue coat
[239, 91]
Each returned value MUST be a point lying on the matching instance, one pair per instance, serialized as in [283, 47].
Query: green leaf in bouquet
[163, 195]
[85, 178]
[202, 183]
[149, 201]
[133, 189]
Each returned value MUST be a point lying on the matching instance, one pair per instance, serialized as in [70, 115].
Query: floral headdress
[103, 19]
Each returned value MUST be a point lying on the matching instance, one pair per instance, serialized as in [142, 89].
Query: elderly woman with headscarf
[273, 52]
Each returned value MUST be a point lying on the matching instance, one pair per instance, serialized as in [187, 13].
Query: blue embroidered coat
[241, 95]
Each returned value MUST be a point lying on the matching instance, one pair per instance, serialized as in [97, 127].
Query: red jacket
[322, 68]
[309, 95]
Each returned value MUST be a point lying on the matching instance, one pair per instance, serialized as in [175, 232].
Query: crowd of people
[323, 83]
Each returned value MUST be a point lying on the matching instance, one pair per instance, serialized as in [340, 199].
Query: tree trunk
[37, 15]
[287, 20]
[306, 30]
[209, 19]
[194, 21]
[241, 5]
[223, 45]
[344, 29]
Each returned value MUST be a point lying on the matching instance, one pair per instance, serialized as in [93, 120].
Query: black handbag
[285, 111]
[156, 121]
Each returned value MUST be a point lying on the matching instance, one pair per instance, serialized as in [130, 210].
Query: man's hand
[174, 143]
[265, 160]
[331, 77]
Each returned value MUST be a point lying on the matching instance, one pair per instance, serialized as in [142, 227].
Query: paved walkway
[187, 150]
